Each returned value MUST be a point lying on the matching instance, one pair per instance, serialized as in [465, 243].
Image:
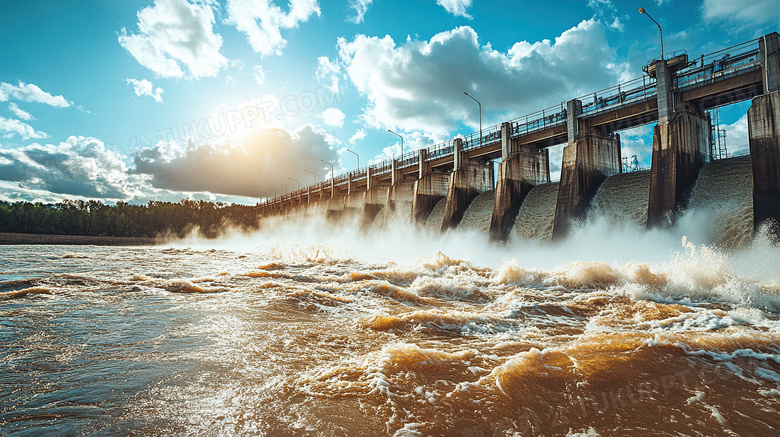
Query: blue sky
[219, 100]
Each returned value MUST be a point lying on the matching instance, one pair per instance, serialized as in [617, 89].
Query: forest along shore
[13, 238]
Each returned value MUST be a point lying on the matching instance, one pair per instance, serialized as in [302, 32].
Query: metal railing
[720, 65]
[627, 93]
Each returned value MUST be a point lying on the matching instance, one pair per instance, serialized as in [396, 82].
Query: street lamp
[358, 157]
[331, 167]
[266, 196]
[296, 180]
[272, 188]
[402, 142]
[480, 114]
[315, 176]
[642, 11]
[284, 185]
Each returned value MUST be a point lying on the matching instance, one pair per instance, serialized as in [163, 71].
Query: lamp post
[297, 181]
[358, 157]
[315, 176]
[271, 188]
[480, 114]
[266, 196]
[284, 185]
[331, 167]
[402, 142]
[642, 11]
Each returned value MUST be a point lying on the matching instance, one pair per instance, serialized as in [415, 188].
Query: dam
[454, 184]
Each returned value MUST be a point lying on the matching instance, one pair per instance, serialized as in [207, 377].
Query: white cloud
[606, 12]
[637, 141]
[11, 126]
[30, 93]
[328, 73]
[419, 85]
[259, 74]
[360, 7]
[737, 136]
[24, 115]
[243, 168]
[80, 166]
[755, 11]
[265, 35]
[555, 159]
[617, 25]
[333, 117]
[602, 5]
[175, 34]
[359, 135]
[456, 7]
[145, 88]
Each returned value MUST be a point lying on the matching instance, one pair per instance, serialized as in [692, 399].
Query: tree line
[93, 218]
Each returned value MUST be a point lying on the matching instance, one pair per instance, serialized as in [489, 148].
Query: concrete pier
[353, 204]
[587, 163]
[429, 189]
[681, 144]
[764, 138]
[520, 170]
[589, 159]
[400, 194]
[353, 201]
[335, 208]
[374, 199]
[400, 197]
[680, 150]
[466, 182]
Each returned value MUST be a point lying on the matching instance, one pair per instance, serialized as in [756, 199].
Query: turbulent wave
[315, 328]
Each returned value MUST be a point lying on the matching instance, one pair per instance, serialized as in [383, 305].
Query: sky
[238, 100]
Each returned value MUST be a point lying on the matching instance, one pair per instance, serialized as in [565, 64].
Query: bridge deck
[727, 76]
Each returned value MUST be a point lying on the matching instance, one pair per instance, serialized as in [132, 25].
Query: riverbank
[82, 240]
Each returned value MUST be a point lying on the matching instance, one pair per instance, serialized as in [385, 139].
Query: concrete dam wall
[453, 185]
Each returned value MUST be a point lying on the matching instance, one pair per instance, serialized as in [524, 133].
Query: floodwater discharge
[311, 329]
[477, 217]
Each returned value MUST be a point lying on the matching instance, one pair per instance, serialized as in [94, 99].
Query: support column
[429, 189]
[374, 199]
[466, 182]
[680, 150]
[400, 193]
[518, 173]
[353, 202]
[588, 160]
[764, 137]
[769, 53]
[335, 206]
[681, 146]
